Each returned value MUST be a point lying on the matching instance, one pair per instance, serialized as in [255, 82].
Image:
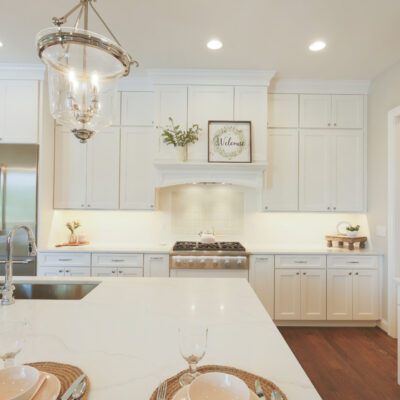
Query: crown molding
[22, 71]
[320, 86]
[133, 83]
[211, 77]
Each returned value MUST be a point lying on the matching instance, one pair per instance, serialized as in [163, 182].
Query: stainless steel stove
[209, 256]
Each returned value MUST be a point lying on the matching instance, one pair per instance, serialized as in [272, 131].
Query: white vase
[182, 153]
[352, 234]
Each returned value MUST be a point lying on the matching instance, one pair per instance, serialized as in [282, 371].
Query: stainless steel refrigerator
[18, 202]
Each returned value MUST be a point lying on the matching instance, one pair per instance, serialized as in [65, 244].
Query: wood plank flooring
[347, 363]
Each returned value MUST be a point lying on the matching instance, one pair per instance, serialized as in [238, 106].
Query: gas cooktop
[218, 246]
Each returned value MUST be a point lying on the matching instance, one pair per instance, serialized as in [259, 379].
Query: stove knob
[202, 261]
[239, 261]
[191, 261]
[227, 260]
[178, 260]
[215, 261]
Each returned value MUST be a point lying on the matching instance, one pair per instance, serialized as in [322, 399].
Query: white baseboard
[384, 325]
[321, 324]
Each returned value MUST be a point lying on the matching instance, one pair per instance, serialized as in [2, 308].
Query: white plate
[182, 394]
[50, 388]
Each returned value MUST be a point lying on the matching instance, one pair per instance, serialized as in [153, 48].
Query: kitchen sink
[53, 291]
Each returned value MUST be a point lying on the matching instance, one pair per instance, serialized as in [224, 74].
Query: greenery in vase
[353, 228]
[72, 226]
[173, 134]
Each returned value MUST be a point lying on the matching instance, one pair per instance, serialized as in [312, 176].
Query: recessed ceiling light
[317, 46]
[214, 44]
[1, 44]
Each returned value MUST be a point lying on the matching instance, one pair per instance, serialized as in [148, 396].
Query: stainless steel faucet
[7, 290]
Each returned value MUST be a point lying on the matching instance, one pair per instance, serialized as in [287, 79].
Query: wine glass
[12, 338]
[193, 346]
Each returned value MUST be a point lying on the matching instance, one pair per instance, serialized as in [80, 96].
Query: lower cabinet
[61, 271]
[127, 272]
[353, 294]
[156, 265]
[300, 294]
[261, 277]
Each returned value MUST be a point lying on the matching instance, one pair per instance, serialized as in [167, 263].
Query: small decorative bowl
[352, 234]
[218, 386]
[18, 383]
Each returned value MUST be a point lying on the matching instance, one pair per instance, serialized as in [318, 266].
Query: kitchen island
[123, 334]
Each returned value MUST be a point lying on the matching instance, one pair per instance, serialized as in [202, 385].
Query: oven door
[210, 273]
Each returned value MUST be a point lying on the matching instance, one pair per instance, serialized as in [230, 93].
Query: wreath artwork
[229, 141]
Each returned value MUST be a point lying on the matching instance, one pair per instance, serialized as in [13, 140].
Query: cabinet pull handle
[117, 260]
[65, 259]
[262, 258]
[67, 271]
[300, 262]
[353, 262]
[60, 271]
[156, 258]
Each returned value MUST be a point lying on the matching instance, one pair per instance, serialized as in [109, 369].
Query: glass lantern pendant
[83, 72]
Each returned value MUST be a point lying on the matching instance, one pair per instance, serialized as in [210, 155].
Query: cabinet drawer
[117, 260]
[365, 262]
[130, 272]
[300, 261]
[64, 259]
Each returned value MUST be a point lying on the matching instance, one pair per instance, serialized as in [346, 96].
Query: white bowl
[218, 386]
[18, 383]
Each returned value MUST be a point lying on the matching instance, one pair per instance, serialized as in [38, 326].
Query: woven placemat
[65, 373]
[173, 383]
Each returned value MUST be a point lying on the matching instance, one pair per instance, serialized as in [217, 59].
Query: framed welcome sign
[229, 141]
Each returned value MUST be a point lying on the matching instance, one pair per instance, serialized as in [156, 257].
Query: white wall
[384, 95]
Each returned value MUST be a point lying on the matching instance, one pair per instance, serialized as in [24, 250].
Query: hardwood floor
[347, 363]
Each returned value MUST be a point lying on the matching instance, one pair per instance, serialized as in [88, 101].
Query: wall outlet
[380, 231]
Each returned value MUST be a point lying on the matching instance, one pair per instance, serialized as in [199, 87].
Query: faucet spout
[7, 290]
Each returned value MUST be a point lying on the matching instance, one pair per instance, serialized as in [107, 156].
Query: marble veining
[123, 334]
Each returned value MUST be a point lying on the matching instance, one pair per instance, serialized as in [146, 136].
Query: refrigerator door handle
[26, 261]
[3, 169]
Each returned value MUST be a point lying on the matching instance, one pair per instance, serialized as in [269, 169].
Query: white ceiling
[363, 36]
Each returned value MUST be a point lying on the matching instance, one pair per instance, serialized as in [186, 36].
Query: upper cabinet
[331, 111]
[137, 109]
[86, 176]
[207, 103]
[19, 111]
[283, 110]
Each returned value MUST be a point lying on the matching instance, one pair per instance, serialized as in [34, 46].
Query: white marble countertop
[124, 333]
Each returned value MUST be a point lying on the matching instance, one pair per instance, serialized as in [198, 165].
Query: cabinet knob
[350, 273]
[328, 208]
[67, 271]
[329, 124]
[334, 124]
[334, 208]
[356, 273]
[297, 273]
[266, 207]
[151, 205]
[113, 271]
[89, 205]
[304, 273]
[60, 271]
[82, 205]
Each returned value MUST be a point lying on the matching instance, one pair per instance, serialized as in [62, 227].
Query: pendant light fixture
[83, 72]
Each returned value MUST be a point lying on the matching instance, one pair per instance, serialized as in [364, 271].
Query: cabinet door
[77, 271]
[171, 101]
[261, 277]
[283, 170]
[313, 294]
[130, 272]
[251, 104]
[137, 169]
[366, 295]
[315, 111]
[207, 103]
[287, 294]
[348, 111]
[19, 111]
[137, 108]
[283, 111]
[315, 170]
[50, 271]
[339, 294]
[156, 265]
[104, 271]
[69, 170]
[103, 170]
[347, 171]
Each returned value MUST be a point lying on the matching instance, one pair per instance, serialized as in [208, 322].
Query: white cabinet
[86, 175]
[287, 294]
[137, 169]
[130, 272]
[251, 104]
[331, 170]
[19, 111]
[281, 193]
[315, 171]
[63, 264]
[331, 111]
[63, 271]
[156, 265]
[121, 272]
[365, 295]
[105, 271]
[137, 108]
[261, 277]
[171, 102]
[340, 294]
[206, 103]
[77, 271]
[283, 110]
[313, 294]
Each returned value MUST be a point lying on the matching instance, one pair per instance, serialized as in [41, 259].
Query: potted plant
[174, 135]
[352, 231]
[72, 227]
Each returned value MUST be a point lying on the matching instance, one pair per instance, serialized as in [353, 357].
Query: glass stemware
[193, 347]
[12, 338]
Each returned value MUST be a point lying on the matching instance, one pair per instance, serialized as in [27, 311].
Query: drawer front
[365, 262]
[64, 259]
[300, 261]
[117, 260]
[130, 272]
